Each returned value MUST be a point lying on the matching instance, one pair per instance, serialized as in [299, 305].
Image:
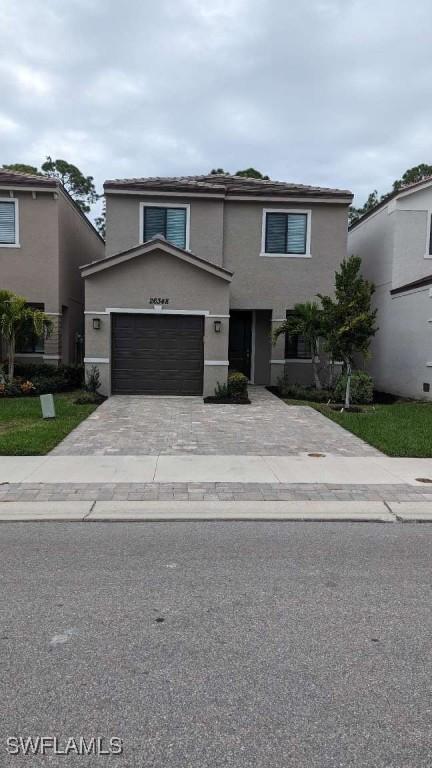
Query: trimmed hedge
[41, 379]
[300, 392]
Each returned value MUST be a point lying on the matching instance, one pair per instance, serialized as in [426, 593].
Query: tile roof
[18, 179]
[223, 185]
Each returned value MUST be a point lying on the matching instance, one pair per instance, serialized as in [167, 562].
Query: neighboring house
[44, 238]
[198, 270]
[394, 241]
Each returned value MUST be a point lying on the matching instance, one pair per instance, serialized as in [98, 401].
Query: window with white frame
[8, 222]
[169, 221]
[286, 233]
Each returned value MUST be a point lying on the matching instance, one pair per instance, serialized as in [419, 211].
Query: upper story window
[170, 221]
[8, 223]
[286, 233]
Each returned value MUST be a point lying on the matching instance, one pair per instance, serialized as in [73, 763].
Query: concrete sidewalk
[190, 511]
[367, 470]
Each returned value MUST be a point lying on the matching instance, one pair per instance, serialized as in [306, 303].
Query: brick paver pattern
[134, 425]
[211, 491]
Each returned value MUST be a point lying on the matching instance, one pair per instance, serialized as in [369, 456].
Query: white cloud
[8, 126]
[328, 92]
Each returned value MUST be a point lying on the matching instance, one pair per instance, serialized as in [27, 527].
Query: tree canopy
[249, 173]
[411, 176]
[23, 168]
[348, 320]
[80, 187]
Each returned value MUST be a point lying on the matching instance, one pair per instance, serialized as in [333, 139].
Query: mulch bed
[211, 400]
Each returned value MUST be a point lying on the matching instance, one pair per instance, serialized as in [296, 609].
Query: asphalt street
[219, 644]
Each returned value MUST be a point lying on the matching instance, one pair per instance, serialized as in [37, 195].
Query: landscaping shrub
[361, 388]
[221, 390]
[72, 376]
[93, 382]
[302, 392]
[46, 385]
[237, 385]
[86, 398]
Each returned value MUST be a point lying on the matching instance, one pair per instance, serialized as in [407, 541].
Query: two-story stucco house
[44, 238]
[197, 272]
[394, 241]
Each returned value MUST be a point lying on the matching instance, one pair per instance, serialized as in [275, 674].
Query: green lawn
[400, 429]
[23, 432]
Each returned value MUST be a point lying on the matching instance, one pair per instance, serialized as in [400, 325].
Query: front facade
[197, 273]
[44, 238]
[394, 241]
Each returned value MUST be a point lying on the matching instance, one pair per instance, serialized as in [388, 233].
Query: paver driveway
[133, 425]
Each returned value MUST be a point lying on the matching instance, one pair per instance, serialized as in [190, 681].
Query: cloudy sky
[329, 92]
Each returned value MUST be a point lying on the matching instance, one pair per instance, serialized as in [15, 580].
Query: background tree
[15, 315]
[348, 320]
[357, 213]
[100, 221]
[252, 173]
[80, 187]
[305, 321]
[413, 175]
[23, 168]
[249, 173]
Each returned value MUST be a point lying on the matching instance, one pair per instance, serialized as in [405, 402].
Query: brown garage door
[157, 355]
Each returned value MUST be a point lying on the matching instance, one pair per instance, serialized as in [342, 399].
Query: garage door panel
[157, 355]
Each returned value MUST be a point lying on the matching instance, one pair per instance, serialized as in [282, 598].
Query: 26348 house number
[158, 300]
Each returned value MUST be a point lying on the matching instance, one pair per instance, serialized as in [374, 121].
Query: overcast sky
[328, 92]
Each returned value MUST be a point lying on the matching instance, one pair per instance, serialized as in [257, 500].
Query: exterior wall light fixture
[96, 323]
[217, 326]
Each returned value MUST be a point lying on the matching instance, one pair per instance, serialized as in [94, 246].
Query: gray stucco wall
[401, 353]
[131, 285]
[392, 244]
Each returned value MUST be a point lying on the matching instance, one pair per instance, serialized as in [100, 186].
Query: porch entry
[240, 341]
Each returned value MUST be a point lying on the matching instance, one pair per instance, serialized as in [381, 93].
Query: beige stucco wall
[261, 282]
[78, 244]
[229, 233]
[131, 285]
[54, 240]
[32, 270]
[206, 223]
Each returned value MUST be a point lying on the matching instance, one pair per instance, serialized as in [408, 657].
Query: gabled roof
[224, 185]
[18, 179]
[406, 190]
[156, 243]
[29, 181]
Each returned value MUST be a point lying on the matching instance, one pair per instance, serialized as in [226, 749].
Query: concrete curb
[195, 511]
[412, 511]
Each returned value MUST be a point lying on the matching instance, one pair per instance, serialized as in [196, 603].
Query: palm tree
[14, 315]
[306, 321]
